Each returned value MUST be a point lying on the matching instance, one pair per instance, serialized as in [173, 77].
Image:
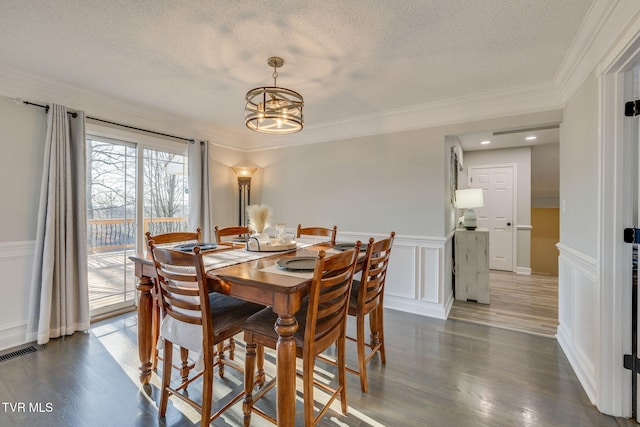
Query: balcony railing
[119, 233]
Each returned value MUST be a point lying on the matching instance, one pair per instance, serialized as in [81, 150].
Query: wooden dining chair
[174, 238]
[197, 320]
[321, 324]
[318, 231]
[166, 239]
[366, 299]
[222, 234]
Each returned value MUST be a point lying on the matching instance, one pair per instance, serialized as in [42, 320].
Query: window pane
[166, 193]
[111, 228]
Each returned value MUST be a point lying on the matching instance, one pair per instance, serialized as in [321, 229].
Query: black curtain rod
[74, 115]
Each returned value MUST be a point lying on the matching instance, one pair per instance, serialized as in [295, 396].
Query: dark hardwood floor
[438, 373]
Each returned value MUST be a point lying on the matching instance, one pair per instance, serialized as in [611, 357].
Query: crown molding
[575, 66]
[629, 41]
[483, 106]
[602, 28]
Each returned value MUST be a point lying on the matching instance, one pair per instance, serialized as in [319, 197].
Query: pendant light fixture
[272, 109]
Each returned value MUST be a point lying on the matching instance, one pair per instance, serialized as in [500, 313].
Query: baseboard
[415, 307]
[523, 270]
[13, 336]
[576, 362]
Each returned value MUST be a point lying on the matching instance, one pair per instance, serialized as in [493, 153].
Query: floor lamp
[244, 174]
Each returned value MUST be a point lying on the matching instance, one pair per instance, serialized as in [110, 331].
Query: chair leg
[308, 364]
[184, 368]
[221, 359]
[249, 370]
[207, 388]
[155, 331]
[380, 328]
[362, 357]
[342, 371]
[166, 377]
[232, 348]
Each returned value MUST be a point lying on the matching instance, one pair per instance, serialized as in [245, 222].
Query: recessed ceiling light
[531, 138]
[485, 142]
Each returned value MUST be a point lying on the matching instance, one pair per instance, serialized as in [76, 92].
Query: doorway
[533, 175]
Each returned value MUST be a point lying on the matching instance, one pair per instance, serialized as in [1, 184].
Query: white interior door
[498, 212]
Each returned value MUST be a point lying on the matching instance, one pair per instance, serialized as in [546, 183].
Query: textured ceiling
[197, 58]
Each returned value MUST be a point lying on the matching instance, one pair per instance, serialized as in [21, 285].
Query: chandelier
[272, 109]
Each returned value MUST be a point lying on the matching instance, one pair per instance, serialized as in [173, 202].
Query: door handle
[508, 224]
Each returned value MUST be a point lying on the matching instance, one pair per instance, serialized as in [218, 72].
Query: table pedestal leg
[145, 307]
[286, 326]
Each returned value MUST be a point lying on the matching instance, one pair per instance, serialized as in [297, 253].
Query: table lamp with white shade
[468, 199]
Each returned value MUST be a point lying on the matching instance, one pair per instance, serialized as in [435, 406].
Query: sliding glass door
[130, 190]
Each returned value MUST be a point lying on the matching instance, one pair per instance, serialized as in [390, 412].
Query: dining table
[251, 276]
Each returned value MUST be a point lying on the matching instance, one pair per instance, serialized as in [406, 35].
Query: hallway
[517, 302]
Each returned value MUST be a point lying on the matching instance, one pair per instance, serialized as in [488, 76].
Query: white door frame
[615, 213]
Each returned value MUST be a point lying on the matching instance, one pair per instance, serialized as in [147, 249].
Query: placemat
[276, 270]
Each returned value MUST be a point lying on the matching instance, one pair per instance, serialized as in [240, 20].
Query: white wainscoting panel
[16, 259]
[415, 280]
[430, 261]
[401, 276]
[578, 315]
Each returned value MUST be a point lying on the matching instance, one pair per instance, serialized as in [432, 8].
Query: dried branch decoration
[259, 217]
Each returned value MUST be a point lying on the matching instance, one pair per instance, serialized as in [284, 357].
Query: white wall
[22, 141]
[22, 138]
[579, 170]
[374, 184]
[579, 331]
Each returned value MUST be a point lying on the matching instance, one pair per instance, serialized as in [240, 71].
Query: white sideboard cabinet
[472, 265]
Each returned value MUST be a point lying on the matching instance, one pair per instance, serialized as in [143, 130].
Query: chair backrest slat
[318, 231]
[181, 316]
[233, 231]
[374, 272]
[176, 237]
[329, 298]
[184, 304]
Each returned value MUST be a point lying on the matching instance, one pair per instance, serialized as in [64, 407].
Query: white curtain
[59, 302]
[199, 189]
